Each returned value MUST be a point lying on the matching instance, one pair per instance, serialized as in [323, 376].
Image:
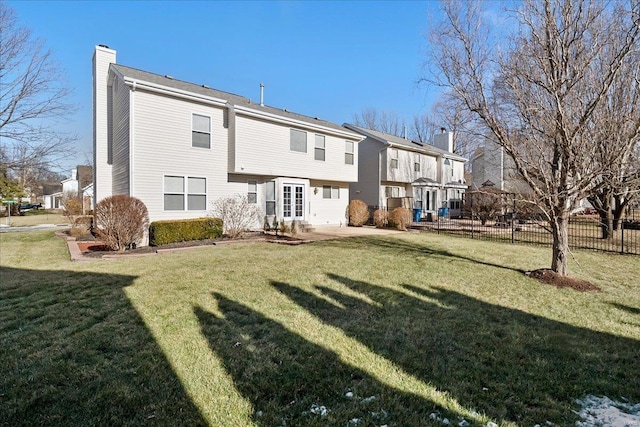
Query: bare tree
[618, 139]
[387, 122]
[31, 95]
[423, 128]
[537, 94]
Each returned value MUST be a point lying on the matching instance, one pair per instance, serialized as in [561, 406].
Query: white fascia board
[300, 123]
[166, 90]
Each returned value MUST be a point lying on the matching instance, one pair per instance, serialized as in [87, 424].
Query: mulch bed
[93, 248]
[549, 277]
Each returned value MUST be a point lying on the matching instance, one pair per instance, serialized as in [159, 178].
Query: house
[394, 171]
[80, 179]
[179, 146]
[490, 164]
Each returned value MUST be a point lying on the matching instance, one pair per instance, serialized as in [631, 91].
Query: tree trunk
[560, 245]
[606, 224]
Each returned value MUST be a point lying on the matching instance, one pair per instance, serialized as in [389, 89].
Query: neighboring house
[490, 164]
[76, 185]
[80, 177]
[52, 195]
[394, 171]
[180, 146]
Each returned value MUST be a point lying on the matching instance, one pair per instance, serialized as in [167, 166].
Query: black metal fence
[584, 231]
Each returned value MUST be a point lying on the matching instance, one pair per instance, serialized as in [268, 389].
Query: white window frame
[389, 191]
[252, 191]
[323, 148]
[267, 200]
[200, 132]
[394, 158]
[292, 132]
[330, 192]
[186, 192]
[349, 152]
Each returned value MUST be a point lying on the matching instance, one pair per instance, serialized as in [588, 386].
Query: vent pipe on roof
[262, 94]
[443, 130]
[405, 131]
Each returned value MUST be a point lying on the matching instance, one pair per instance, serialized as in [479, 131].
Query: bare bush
[120, 221]
[72, 208]
[381, 218]
[237, 214]
[358, 213]
[484, 204]
[400, 217]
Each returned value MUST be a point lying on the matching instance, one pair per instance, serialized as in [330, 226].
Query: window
[175, 192]
[197, 194]
[329, 192]
[416, 166]
[394, 158]
[201, 133]
[252, 192]
[392, 191]
[348, 152]
[298, 141]
[270, 197]
[320, 148]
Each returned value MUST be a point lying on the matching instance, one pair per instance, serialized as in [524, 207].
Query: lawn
[35, 218]
[363, 331]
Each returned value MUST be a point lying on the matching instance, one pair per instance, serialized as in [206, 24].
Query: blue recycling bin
[417, 214]
[443, 212]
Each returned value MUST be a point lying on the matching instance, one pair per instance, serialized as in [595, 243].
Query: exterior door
[293, 202]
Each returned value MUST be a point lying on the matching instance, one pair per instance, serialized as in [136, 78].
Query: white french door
[293, 201]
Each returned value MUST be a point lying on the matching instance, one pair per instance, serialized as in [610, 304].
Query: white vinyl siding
[201, 132]
[120, 138]
[298, 141]
[264, 148]
[319, 150]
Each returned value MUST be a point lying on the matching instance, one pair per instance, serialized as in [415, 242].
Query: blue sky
[320, 58]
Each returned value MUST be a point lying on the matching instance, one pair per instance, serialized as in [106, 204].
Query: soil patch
[548, 276]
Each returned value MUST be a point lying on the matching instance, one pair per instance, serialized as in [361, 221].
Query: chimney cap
[103, 45]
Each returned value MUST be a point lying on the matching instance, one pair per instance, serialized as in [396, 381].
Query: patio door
[293, 201]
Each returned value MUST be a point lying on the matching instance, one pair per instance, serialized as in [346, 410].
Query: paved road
[4, 229]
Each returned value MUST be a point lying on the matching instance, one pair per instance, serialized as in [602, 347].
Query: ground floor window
[329, 192]
[252, 192]
[270, 197]
[178, 189]
[392, 191]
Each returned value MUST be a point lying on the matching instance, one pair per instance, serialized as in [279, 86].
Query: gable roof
[397, 141]
[235, 100]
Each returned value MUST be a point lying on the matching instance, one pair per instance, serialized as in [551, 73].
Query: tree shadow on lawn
[284, 375]
[402, 247]
[507, 364]
[74, 351]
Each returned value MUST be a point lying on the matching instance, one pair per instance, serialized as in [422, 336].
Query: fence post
[513, 218]
[622, 235]
[471, 212]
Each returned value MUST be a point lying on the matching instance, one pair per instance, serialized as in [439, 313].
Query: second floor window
[348, 152]
[319, 151]
[394, 158]
[298, 141]
[201, 131]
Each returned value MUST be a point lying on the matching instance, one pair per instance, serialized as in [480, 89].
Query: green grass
[254, 334]
[35, 218]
